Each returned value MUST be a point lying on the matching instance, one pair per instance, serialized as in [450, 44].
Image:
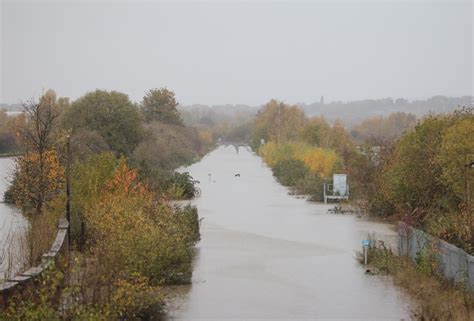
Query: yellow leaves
[320, 161]
[279, 122]
[291, 136]
[121, 206]
[268, 153]
[39, 179]
[273, 153]
[457, 150]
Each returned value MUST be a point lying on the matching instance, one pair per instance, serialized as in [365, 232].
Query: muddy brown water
[267, 255]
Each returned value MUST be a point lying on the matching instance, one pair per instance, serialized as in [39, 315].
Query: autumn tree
[324, 162]
[42, 118]
[413, 180]
[126, 220]
[109, 114]
[316, 132]
[161, 105]
[456, 152]
[39, 175]
[384, 128]
[340, 140]
[85, 143]
[456, 155]
[425, 177]
[278, 122]
[165, 148]
[89, 177]
[38, 180]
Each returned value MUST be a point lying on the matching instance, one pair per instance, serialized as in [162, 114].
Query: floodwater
[12, 227]
[267, 255]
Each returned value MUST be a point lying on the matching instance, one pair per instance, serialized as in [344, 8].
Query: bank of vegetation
[302, 152]
[423, 178]
[400, 168]
[127, 239]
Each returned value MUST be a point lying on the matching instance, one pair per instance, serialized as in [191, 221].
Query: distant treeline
[351, 113]
[366, 120]
[228, 122]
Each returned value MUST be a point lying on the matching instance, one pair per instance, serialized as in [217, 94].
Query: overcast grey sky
[238, 52]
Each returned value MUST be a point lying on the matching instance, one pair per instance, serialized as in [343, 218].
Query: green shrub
[88, 179]
[188, 218]
[378, 255]
[38, 302]
[313, 185]
[426, 261]
[182, 184]
[290, 171]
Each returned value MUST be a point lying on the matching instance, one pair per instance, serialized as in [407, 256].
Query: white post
[324, 193]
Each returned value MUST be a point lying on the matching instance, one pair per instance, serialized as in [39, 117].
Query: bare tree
[37, 141]
[41, 118]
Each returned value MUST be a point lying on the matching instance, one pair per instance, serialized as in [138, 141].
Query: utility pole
[68, 188]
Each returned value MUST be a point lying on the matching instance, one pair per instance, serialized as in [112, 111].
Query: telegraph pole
[68, 188]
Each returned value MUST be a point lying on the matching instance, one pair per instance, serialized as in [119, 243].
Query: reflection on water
[12, 227]
[267, 255]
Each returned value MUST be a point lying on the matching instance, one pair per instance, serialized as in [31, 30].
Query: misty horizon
[238, 53]
[299, 103]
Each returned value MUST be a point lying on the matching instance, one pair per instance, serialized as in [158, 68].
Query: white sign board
[339, 184]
